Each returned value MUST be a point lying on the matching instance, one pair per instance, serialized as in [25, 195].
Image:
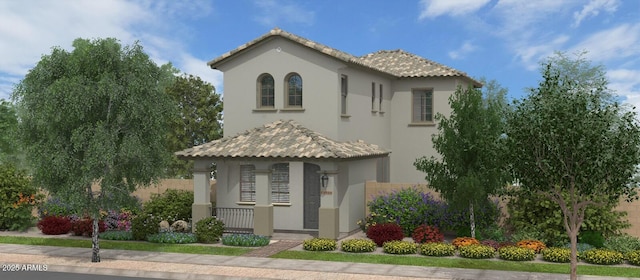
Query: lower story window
[247, 183]
[279, 183]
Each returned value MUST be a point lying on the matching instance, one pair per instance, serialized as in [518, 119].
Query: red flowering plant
[427, 234]
[381, 233]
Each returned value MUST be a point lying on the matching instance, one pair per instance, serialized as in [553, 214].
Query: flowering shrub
[437, 249]
[514, 253]
[172, 205]
[535, 245]
[116, 235]
[633, 257]
[209, 230]
[622, 243]
[374, 219]
[399, 247]
[17, 199]
[172, 238]
[144, 225]
[602, 256]
[54, 206]
[84, 227]
[319, 244]
[358, 245]
[118, 220]
[555, 254]
[245, 240]
[427, 234]
[477, 251]
[381, 233]
[54, 225]
[464, 241]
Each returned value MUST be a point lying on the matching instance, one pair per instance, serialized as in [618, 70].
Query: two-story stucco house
[306, 125]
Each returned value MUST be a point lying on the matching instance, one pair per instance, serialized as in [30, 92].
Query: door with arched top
[311, 195]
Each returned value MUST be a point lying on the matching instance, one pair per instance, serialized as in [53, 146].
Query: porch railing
[236, 220]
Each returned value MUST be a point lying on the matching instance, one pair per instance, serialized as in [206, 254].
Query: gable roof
[282, 139]
[398, 63]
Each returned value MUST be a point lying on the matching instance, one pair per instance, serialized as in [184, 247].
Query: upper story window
[280, 183]
[293, 90]
[344, 89]
[422, 107]
[247, 183]
[380, 100]
[373, 96]
[266, 93]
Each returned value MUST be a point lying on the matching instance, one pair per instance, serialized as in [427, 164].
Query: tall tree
[94, 116]
[573, 142]
[469, 168]
[9, 148]
[199, 119]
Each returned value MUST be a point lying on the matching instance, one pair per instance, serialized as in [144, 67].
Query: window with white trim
[422, 107]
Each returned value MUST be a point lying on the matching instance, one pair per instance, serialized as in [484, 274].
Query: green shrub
[17, 199]
[602, 256]
[437, 249]
[209, 230]
[116, 235]
[374, 219]
[245, 240]
[556, 254]
[633, 257]
[477, 251]
[319, 244]
[592, 238]
[427, 234]
[358, 245]
[531, 212]
[144, 225]
[55, 206]
[622, 243]
[172, 205]
[514, 253]
[172, 238]
[399, 247]
[582, 247]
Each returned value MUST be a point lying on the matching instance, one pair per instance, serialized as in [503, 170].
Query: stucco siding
[279, 58]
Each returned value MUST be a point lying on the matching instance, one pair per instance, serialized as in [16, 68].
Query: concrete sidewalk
[190, 266]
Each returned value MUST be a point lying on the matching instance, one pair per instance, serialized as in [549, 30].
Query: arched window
[293, 90]
[266, 97]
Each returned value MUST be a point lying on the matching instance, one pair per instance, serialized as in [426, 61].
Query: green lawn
[415, 260]
[128, 245]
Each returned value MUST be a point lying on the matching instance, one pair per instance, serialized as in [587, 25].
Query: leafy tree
[95, 116]
[469, 142]
[198, 120]
[9, 149]
[571, 141]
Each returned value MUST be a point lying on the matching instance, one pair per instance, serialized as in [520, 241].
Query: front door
[311, 195]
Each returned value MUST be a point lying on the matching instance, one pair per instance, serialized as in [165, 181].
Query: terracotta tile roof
[397, 63]
[282, 139]
[403, 64]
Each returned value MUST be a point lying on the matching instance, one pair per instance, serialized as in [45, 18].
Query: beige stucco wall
[373, 189]
[178, 184]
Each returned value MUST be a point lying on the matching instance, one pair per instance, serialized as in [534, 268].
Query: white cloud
[626, 82]
[531, 55]
[593, 8]
[618, 42]
[197, 67]
[31, 32]
[466, 48]
[273, 12]
[436, 8]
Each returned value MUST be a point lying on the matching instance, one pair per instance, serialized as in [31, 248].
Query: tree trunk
[472, 220]
[95, 245]
[573, 236]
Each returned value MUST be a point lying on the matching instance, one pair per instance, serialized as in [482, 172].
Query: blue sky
[497, 39]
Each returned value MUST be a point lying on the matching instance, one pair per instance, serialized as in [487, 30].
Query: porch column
[263, 210]
[201, 207]
[328, 215]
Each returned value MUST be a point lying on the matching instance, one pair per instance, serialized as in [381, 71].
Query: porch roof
[282, 139]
